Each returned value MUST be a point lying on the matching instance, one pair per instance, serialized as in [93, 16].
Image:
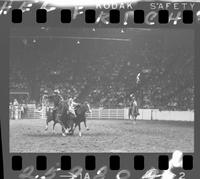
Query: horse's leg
[66, 126]
[63, 132]
[65, 129]
[137, 113]
[54, 126]
[129, 113]
[71, 128]
[79, 127]
[134, 117]
[74, 126]
[63, 126]
[46, 128]
[86, 125]
[131, 116]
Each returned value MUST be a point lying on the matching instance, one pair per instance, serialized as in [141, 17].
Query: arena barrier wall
[145, 114]
[100, 113]
[155, 114]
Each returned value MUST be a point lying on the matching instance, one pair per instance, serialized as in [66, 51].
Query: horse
[61, 116]
[133, 111]
[81, 111]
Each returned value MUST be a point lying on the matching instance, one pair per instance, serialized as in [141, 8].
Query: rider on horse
[57, 98]
[134, 102]
[72, 106]
[44, 99]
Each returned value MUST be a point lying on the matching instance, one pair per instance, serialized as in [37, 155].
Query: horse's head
[81, 109]
[62, 110]
[65, 107]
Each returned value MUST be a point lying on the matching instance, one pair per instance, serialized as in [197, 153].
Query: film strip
[133, 133]
[114, 161]
[114, 16]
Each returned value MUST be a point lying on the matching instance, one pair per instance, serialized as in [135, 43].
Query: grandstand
[101, 66]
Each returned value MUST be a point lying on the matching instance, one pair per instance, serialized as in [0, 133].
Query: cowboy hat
[56, 91]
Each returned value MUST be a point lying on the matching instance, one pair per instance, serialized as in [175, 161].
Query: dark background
[100, 65]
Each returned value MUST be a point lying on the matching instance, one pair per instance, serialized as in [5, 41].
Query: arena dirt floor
[103, 136]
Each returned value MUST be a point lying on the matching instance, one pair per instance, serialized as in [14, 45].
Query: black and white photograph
[119, 90]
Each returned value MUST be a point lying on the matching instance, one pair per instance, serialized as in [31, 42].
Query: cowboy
[16, 109]
[45, 98]
[134, 102]
[57, 98]
[72, 106]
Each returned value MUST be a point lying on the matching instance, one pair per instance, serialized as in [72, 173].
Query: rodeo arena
[101, 90]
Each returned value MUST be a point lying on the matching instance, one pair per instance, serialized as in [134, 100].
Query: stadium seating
[166, 78]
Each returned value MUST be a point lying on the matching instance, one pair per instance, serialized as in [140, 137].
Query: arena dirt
[103, 136]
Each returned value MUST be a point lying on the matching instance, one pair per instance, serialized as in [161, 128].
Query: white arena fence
[145, 114]
[100, 113]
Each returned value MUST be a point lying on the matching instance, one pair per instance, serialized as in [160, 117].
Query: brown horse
[81, 111]
[62, 116]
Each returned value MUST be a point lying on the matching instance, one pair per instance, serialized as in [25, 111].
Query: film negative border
[41, 17]
[114, 16]
[90, 162]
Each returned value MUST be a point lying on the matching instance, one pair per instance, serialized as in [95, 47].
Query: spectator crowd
[17, 110]
[106, 76]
